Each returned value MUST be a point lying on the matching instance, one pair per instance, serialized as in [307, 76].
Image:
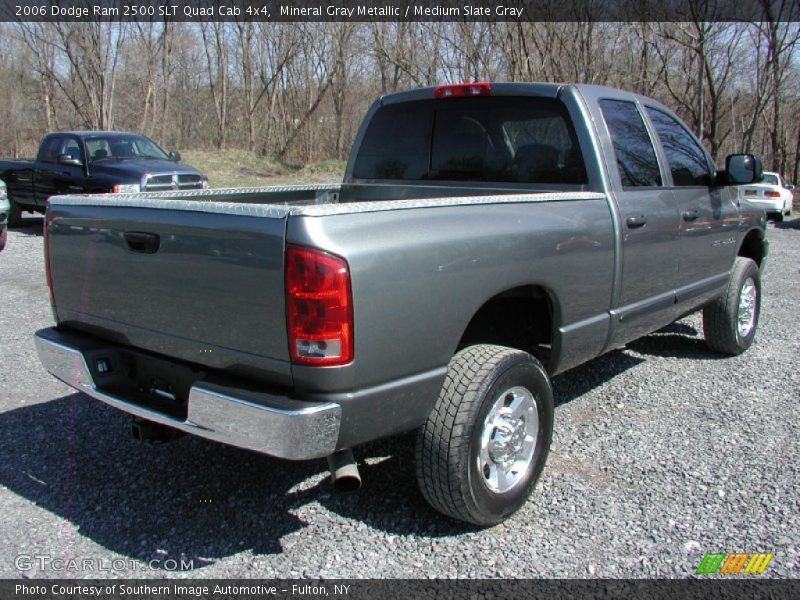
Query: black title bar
[399, 10]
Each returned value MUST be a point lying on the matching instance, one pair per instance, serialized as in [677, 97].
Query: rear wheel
[730, 322]
[485, 444]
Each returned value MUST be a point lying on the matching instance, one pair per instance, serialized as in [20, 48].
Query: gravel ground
[662, 452]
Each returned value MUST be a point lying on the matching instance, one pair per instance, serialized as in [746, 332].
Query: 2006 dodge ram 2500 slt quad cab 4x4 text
[485, 237]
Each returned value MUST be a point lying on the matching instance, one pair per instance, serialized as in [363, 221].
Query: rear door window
[51, 147]
[636, 158]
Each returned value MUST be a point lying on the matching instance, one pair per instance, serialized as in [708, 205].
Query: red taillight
[46, 239]
[319, 307]
[463, 89]
[771, 194]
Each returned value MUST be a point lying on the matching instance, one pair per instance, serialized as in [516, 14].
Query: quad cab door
[648, 220]
[709, 218]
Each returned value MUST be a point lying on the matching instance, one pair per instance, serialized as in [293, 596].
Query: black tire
[449, 444]
[721, 317]
[15, 214]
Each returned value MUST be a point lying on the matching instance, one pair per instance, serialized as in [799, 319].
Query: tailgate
[203, 285]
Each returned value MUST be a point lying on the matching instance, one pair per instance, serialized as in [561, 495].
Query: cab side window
[636, 158]
[687, 160]
[72, 148]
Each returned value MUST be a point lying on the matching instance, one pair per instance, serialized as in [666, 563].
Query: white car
[5, 208]
[773, 194]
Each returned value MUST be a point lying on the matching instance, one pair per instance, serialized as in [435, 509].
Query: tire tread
[447, 432]
[719, 326]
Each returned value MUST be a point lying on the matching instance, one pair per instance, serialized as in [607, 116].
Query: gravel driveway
[662, 452]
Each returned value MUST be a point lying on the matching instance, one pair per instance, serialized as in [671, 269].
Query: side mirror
[175, 156]
[790, 187]
[743, 168]
[68, 159]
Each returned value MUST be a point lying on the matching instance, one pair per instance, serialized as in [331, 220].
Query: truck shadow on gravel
[191, 499]
[31, 226]
[581, 380]
[198, 501]
[678, 340]
[793, 223]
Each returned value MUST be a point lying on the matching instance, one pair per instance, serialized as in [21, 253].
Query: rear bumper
[772, 205]
[274, 425]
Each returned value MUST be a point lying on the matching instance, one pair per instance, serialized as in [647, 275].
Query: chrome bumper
[295, 430]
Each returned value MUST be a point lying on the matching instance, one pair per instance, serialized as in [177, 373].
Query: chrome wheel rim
[747, 307]
[508, 439]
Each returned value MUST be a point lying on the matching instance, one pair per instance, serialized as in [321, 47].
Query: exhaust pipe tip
[344, 472]
[149, 432]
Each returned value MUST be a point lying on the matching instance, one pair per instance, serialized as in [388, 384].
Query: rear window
[770, 179]
[524, 140]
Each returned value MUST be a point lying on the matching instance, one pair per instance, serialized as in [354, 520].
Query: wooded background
[296, 92]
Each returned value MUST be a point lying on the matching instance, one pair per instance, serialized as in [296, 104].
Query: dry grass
[240, 168]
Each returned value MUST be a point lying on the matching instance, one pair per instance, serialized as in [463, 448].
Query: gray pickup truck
[485, 237]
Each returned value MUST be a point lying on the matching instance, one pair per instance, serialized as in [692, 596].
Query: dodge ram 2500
[92, 162]
[485, 237]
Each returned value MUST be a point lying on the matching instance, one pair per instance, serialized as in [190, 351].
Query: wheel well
[520, 318]
[753, 247]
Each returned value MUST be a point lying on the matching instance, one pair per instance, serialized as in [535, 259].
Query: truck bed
[198, 276]
[323, 199]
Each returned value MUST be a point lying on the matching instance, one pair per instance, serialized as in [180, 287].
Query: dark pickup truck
[484, 238]
[93, 162]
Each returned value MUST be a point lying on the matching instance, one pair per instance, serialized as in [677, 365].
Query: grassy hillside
[240, 168]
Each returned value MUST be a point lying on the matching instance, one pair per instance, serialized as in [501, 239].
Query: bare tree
[698, 60]
[91, 51]
[264, 50]
[215, 47]
[781, 37]
[148, 47]
[296, 91]
[342, 38]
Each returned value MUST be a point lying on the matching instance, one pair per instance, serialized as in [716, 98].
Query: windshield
[121, 147]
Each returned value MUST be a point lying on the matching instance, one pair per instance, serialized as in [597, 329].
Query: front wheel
[730, 322]
[486, 441]
[14, 214]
